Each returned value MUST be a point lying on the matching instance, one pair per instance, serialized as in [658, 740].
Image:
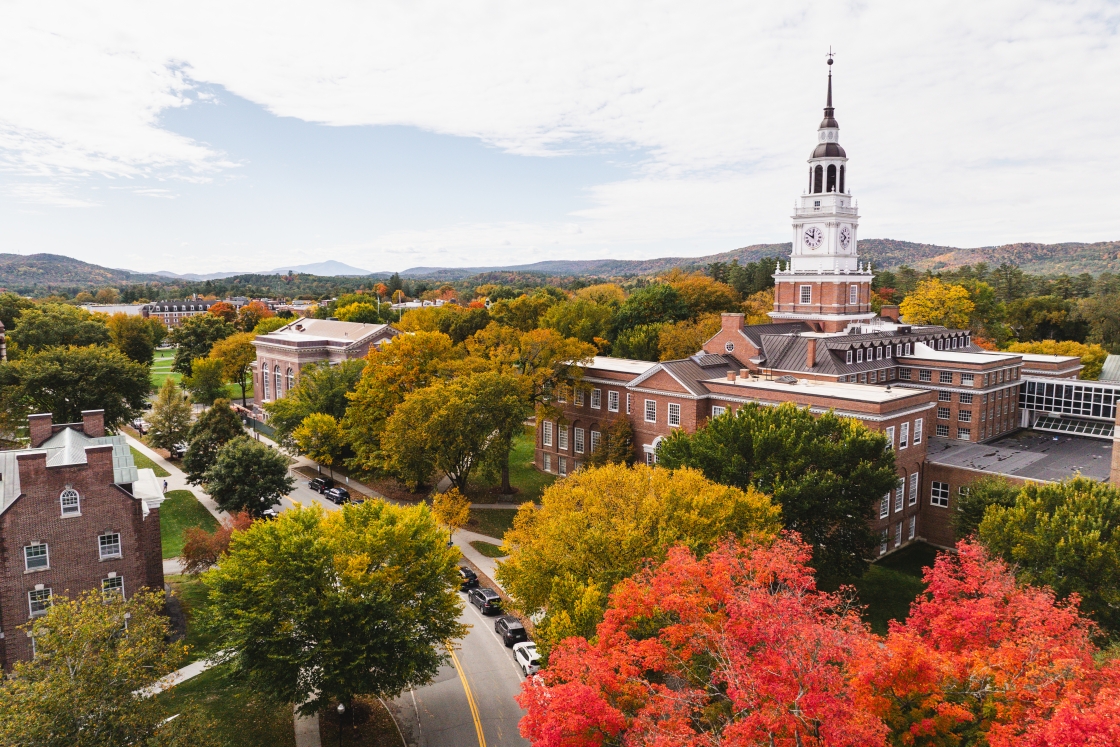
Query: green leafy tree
[132, 335]
[271, 324]
[322, 388]
[657, 302]
[206, 381]
[641, 343]
[66, 380]
[523, 313]
[248, 476]
[1065, 536]
[604, 524]
[616, 444]
[1102, 313]
[1045, 318]
[169, 422]
[157, 330]
[449, 426]
[215, 428]
[237, 354]
[321, 437]
[195, 337]
[584, 320]
[320, 608]
[57, 325]
[11, 306]
[991, 490]
[825, 472]
[93, 656]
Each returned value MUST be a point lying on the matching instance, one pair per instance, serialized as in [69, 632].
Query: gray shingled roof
[1111, 369]
[755, 332]
[692, 375]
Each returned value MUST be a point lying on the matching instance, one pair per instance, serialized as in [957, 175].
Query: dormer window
[850, 356]
[859, 356]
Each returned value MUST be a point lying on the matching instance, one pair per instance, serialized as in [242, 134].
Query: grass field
[180, 511]
[523, 474]
[889, 586]
[161, 369]
[192, 595]
[143, 462]
[493, 522]
[488, 549]
[240, 718]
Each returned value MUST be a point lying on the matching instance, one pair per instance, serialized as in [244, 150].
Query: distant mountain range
[24, 273]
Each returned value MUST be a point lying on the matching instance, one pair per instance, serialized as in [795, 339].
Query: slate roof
[755, 332]
[1111, 369]
[68, 446]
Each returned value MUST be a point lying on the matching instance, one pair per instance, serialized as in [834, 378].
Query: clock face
[845, 236]
[813, 237]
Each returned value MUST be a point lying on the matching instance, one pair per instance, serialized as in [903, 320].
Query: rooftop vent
[786, 379]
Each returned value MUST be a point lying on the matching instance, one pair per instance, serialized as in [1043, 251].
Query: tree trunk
[506, 489]
[243, 394]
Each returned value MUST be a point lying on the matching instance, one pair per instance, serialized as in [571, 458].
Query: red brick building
[71, 521]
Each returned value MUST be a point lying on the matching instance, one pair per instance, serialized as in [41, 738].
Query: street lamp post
[341, 710]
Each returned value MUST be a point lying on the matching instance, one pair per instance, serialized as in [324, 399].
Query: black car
[321, 484]
[510, 629]
[487, 601]
[337, 495]
[467, 579]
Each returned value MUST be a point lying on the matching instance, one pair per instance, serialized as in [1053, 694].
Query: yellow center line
[470, 697]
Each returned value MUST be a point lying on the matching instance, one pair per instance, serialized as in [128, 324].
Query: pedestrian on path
[165, 486]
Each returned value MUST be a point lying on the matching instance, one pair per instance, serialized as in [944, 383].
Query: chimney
[811, 353]
[40, 429]
[732, 322]
[889, 312]
[93, 423]
[744, 373]
[731, 376]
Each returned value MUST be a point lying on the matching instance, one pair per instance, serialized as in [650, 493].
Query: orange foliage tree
[224, 311]
[202, 549]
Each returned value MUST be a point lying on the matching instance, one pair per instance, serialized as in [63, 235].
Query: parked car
[337, 495]
[487, 601]
[178, 450]
[467, 579]
[269, 513]
[140, 426]
[527, 657]
[320, 484]
[510, 629]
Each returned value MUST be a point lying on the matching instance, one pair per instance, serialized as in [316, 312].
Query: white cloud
[967, 123]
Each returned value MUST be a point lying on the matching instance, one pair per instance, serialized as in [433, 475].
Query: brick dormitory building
[75, 515]
[951, 410]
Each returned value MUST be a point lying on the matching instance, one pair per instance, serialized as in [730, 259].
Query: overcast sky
[205, 136]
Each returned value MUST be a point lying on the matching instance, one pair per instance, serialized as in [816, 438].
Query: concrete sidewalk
[167, 682]
[177, 480]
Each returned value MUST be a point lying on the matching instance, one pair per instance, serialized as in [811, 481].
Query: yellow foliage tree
[603, 293]
[1092, 356]
[452, 509]
[702, 294]
[935, 302]
[758, 306]
[682, 339]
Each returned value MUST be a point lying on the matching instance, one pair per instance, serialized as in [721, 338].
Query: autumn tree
[321, 388]
[237, 355]
[206, 381]
[12, 305]
[195, 337]
[51, 325]
[523, 313]
[452, 509]
[701, 294]
[825, 472]
[365, 313]
[202, 549]
[682, 339]
[224, 310]
[321, 438]
[616, 444]
[604, 294]
[1065, 536]
[736, 648]
[271, 324]
[601, 525]
[655, 303]
[314, 608]
[251, 314]
[215, 427]
[169, 422]
[1092, 356]
[581, 319]
[248, 476]
[973, 502]
[757, 307]
[132, 335]
[936, 302]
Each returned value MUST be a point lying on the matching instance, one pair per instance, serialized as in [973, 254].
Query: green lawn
[240, 717]
[161, 368]
[523, 474]
[488, 549]
[192, 595]
[889, 586]
[493, 522]
[144, 462]
[180, 511]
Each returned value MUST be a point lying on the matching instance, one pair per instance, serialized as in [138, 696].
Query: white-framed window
[964, 434]
[859, 356]
[940, 344]
[963, 490]
[903, 436]
[898, 534]
[579, 398]
[674, 414]
[547, 462]
[278, 381]
[71, 502]
[596, 399]
[39, 601]
[913, 527]
[913, 499]
[850, 357]
[939, 494]
[918, 431]
[628, 403]
[941, 431]
[944, 396]
[964, 416]
[924, 375]
[546, 433]
[109, 545]
[965, 342]
[264, 380]
[965, 398]
[291, 379]
[888, 351]
[899, 494]
[594, 441]
[579, 440]
[651, 411]
[562, 395]
[651, 458]
[885, 506]
[966, 379]
[718, 410]
[898, 350]
[943, 413]
[890, 437]
[945, 377]
[908, 348]
[36, 557]
[884, 538]
[904, 374]
[562, 437]
[112, 586]
[563, 467]
[878, 352]
[612, 401]
[806, 294]
[853, 294]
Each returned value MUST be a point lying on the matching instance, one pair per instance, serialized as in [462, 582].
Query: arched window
[71, 502]
[291, 379]
[818, 177]
[279, 383]
[264, 380]
[841, 179]
[831, 178]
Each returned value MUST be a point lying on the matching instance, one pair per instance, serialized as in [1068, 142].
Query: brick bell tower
[824, 284]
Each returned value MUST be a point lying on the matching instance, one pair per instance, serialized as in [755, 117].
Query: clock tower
[824, 284]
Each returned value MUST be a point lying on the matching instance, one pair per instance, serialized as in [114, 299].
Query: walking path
[177, 480]
[166, 682]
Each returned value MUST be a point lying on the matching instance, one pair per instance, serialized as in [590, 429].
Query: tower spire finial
[829, 102]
